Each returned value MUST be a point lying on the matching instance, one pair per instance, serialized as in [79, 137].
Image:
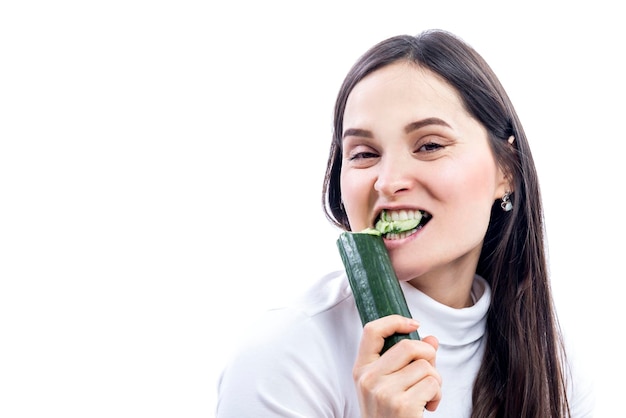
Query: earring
[506, 203]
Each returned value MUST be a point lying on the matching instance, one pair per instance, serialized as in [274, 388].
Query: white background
[160, 180]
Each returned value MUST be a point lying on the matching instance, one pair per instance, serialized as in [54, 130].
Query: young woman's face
[409, 145]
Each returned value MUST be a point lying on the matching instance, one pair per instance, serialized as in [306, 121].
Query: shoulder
[326, 294]
[295, 351]
[325, 309]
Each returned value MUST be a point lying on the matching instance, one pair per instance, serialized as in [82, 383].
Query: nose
[394, 177]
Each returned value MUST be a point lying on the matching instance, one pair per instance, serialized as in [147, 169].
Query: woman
[423, 128]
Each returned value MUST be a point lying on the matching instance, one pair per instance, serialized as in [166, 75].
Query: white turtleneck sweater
[299, 362]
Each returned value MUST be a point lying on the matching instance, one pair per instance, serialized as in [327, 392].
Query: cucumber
[386, 224]
[374, 283]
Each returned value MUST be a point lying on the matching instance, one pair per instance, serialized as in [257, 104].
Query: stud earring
[506, 203]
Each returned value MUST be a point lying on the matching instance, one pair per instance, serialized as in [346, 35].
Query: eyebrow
[425, 122]
[358, 132]
[413, 126]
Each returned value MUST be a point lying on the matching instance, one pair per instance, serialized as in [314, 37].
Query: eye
[431, 143]
[429, 147]
[360, 152]
[363, 155]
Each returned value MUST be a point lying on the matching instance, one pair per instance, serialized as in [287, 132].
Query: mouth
[399, 224]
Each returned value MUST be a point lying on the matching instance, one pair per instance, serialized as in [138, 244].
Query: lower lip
[394, 243]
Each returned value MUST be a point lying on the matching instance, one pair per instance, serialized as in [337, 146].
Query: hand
[403, 382]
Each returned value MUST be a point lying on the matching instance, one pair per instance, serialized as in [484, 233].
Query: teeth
[403, 215]
[401, 235]
[394, 224]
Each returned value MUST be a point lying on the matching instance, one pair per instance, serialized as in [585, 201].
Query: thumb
[432, 341]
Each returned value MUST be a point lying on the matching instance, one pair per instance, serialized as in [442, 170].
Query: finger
[418, 385]
[427, 390]
[432, 341]
[383, 395]
[434, 402]
[375, 332]
[406, 352]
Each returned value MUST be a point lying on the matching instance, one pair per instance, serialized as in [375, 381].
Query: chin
[408, 274]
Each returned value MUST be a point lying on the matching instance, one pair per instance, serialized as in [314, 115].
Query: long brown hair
[522, 373]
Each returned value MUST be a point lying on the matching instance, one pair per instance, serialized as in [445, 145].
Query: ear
[504, 178]
[504, 184]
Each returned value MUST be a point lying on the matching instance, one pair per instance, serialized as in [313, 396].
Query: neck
[452, 287]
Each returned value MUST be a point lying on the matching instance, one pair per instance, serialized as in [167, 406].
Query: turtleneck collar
[451, 326]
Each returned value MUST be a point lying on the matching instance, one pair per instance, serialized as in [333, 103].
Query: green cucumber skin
[374, 283]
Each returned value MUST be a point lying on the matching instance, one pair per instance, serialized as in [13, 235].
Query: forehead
[403, 86]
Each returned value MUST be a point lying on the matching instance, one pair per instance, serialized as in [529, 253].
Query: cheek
[355, 191]
[472, 181]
